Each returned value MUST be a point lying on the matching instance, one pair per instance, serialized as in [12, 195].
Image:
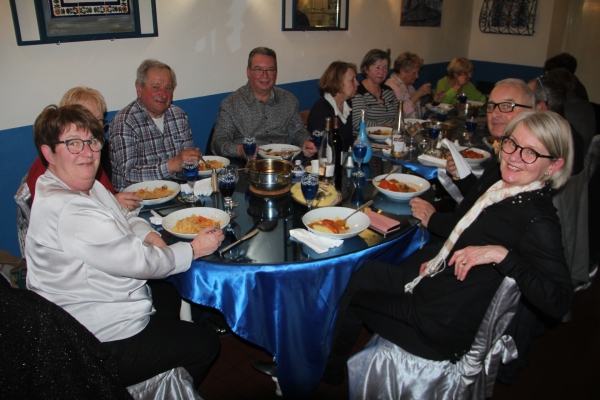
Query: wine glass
[412, 128]
[287, 153]
[190, 171]
[228, 177]
[360, 151]
[317, 137]
[471, 126]
[434, 133]
[310, 185]
[249, 148]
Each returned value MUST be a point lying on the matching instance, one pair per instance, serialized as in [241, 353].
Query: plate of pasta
[401, 186]
[216, 162]
[154, 192]
[188, 222]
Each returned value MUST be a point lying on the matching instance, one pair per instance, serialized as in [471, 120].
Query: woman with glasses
[93, 258]
[93, 100]
[458, 81]
[433, 303]
[402, 79]
[373, 95]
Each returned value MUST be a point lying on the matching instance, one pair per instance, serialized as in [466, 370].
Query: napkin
[201, 188]
[319, 244]
[462, 168]
[155, 219]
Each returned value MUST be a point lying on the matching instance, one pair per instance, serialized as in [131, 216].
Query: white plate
[357, 223]
[415, 121]
[475, 103]
[296, 192]
[151, 185]
[474, 162]
[441, 106]
[224, 160]
[419, 183]
[276, 147]
[213, 213]
[375, 136]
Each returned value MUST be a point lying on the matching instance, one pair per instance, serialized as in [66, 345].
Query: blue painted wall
[17, 151]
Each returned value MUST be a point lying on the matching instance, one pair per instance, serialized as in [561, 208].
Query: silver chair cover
[22, 198]
[173, 384]
[385, 371]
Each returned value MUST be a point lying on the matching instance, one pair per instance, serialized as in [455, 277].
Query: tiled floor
[565, 364]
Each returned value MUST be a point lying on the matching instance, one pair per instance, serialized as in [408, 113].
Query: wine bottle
[338, 148]
[327, 155]
[398, 134]
[362, 133]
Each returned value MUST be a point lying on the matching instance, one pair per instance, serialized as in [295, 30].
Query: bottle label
[398, 146]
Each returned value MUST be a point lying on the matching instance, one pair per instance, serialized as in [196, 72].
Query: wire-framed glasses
[258, 71]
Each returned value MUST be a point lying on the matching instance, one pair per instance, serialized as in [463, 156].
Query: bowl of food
[269, 174]
[276, 151]
[215, 162]
[327, 195]
[154, 192]
[327, 222]
[474, 156]
[188, 222]
[401, 186]
[379, 132]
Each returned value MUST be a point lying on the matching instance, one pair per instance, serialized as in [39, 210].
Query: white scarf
[343, 115]
[493, 195]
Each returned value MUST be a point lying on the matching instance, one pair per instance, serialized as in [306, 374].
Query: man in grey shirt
[260, 110]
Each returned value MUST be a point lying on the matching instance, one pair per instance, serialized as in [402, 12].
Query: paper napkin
[462, 168]
[201, 188]
[319, 244]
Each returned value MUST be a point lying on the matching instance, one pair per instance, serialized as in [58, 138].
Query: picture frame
[314, 15]
[59, 21]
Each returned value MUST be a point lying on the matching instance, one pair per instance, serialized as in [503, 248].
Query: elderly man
[260, 110]
[509, 98]
[150, 138]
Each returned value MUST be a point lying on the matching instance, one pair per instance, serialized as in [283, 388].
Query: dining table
[278, 293]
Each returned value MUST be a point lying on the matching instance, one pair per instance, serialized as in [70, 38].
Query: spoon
[367, 204]
[204, 161]
[385, 177]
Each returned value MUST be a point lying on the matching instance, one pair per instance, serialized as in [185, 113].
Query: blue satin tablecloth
[288, 309]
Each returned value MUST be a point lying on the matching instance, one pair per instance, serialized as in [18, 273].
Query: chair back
[23, 199]
[592, 158]
[383, 370]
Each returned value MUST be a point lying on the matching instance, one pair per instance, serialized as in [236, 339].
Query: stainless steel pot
[269, 174]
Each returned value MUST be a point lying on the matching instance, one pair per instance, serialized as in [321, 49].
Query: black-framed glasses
[504, 106]
[529, 156]
[258, 71]
[539, 79]
[75, 146]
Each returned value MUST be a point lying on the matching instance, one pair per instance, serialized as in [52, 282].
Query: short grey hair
[142, 71]
[555, 134]
[528, 96]
[552, 91]
[265, 51]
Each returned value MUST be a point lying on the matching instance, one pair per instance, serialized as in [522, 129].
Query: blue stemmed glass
[317, 137]
[190, 171]
[228, 177]
[310, 185]
[471, 126]
[434, 133]
[360, 151]
[249, 148]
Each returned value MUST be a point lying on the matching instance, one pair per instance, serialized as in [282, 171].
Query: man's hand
[128, 200]
[176, 163]
[308, 148]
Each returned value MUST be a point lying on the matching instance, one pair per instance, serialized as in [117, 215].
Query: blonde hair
[458, 66]
[407, 61]
[555, 134]
[80, 94]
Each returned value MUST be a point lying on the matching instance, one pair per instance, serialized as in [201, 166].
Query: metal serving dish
[269, 174]
[469, 109]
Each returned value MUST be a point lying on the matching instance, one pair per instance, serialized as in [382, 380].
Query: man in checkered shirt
[150, 138]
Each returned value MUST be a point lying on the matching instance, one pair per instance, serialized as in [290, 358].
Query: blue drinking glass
[310, 185]
[360, 151]
[249, 148]
[471, 126]
[317, 137]
[190, 171]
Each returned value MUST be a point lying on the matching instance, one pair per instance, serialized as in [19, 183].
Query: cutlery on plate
[385, 177]
[367, 204]
[248, 236]
[204, 161]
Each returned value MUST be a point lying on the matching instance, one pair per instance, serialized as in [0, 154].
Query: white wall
[207, 43]
[512, 49]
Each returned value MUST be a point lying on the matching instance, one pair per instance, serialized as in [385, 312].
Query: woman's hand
[207, 241]
[421, 209]
[471, 256]
[439, 96]
[425, 89]
[128, 200]
[451, 166]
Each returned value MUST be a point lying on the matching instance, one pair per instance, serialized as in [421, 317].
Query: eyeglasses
[258, 71]
[504, 107]
[75, 146]
[543, 87]
[529, 156]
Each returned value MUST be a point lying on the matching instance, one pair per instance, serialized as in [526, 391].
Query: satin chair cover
[288, 309]
[22, 198]
[384, 370]
[173, 384]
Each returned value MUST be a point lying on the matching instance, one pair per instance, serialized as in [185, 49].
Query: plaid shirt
[139, 151]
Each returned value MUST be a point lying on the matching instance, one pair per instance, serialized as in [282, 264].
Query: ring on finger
[463, 262]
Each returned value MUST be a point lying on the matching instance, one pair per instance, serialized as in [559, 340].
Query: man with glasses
[150, 138]
[260, 110]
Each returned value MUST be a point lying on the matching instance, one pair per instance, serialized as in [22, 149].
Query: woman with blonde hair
[460, 71]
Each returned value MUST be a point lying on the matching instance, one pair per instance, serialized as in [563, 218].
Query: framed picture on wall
[315, 15]
[58, 21]
[421, 13]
